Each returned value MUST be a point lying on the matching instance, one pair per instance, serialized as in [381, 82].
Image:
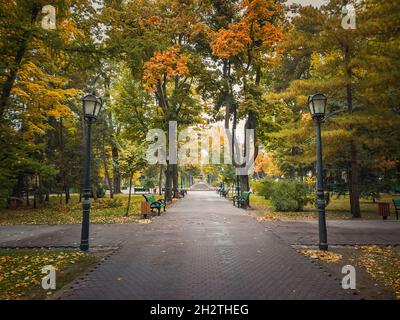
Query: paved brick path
[340, 232]
[204, 248]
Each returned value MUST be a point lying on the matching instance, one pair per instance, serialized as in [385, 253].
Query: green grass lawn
[338, 209]
[103, 210]
[21, 270]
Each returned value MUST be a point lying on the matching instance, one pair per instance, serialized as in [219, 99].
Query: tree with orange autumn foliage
[247, 47]
[162, 58]
[162, 67]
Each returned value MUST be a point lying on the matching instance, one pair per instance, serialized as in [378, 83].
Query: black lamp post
[91, 108]
[317, 104]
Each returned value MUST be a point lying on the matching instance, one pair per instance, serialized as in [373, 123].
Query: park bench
[14, 202]
[225, 192]
[183, 192]
[396, 203]
[243, 200]
[155, 204]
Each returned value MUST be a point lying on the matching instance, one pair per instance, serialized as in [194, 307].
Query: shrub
[264, 187]
[289, 195]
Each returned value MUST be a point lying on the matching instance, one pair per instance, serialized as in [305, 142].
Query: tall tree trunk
[116, 174]
[168, 182]
[175, 181]
[35, 193]
[14, 68]
[354, 166]
[129, 194]
[354, 184]
[26, 180]
[108, 179]
[27, 197]
[160, 180]
[251, 123]
[67, 195]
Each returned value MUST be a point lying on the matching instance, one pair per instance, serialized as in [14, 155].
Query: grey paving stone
[204, 248]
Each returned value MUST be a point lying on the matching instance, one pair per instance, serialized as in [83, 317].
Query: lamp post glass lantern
[317, 104]
[91, 108]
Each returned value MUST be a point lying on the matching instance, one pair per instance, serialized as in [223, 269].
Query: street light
[91, 108]
[317, 104]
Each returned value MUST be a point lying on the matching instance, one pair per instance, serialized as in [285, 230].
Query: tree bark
[168, 182]
[116, 174]
[160, 180]
[251, 123]
[67, 195]
[27, 197]
[354, 184]
[110, 186]
[35, 193]
[354, 167]
[175, 181]
[129, 195]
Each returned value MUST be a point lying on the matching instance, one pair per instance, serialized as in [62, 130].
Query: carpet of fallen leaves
[20, 270]
[103, 211]
[268, 218]
[383, 265]
[326, 256]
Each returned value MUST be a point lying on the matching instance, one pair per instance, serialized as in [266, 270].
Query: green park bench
[155, 204]
[396, 203]
[243, 200]
[224, 192]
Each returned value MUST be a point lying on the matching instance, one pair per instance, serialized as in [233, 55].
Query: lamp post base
[84, 246]
[323, 246]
